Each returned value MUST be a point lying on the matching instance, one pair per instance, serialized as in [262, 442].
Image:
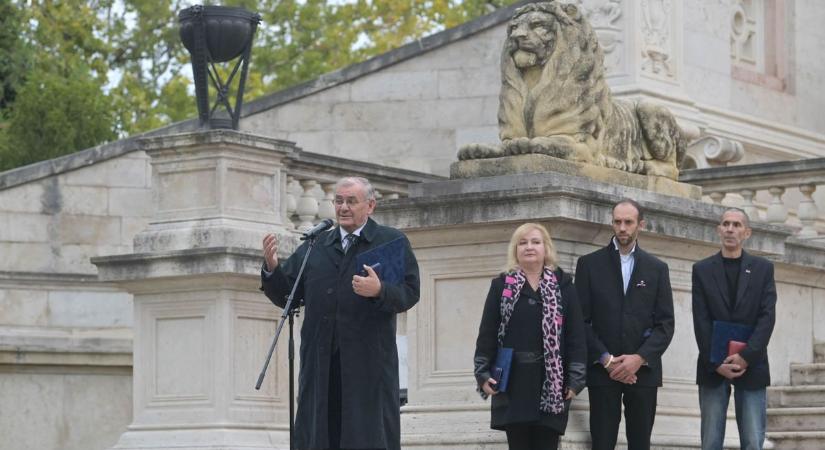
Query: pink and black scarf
[552, 391]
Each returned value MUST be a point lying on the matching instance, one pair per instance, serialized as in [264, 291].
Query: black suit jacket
[639, 322]
[755, 306]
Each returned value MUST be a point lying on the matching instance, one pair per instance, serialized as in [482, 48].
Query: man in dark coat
[734, 286]
[627, 306]
[348, 395]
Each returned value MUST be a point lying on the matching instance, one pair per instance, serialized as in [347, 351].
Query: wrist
[606, 360]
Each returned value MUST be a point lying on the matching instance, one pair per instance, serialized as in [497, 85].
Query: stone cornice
[758, 176]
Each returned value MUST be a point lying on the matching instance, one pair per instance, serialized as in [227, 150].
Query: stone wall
[65, 338]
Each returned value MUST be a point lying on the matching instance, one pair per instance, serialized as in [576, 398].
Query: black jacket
[639, 322]
[755, 306]
[520, 403]
[364, 330]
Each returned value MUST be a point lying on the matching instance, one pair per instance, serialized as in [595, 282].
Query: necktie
[349, 240]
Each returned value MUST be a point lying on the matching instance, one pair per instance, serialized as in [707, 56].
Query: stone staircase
[796, 413]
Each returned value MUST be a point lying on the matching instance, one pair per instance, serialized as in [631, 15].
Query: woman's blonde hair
[550, 258]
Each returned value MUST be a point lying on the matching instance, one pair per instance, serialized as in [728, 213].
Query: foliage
[76, 73]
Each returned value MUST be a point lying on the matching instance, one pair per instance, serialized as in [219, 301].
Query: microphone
[317, 229]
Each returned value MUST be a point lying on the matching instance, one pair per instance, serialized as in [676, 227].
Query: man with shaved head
[734, 286]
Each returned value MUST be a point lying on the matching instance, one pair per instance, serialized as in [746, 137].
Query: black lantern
[218, 34]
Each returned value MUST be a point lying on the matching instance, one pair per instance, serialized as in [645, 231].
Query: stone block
[24, 227]
[98, 411]
[89, 230]
[89, 309]
[535, 163]
[23, 198]
[471, 82]
[37, 420]
[23, 307]
[375, 116]
[305, 116]
[386, 86]
[26, 257]
[130, 202]
[64, 411]
[85, 200]
[124, 171]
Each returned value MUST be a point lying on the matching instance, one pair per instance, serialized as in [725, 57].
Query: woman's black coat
[520, 404]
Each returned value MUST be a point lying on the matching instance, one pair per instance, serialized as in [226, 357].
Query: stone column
[202, 327]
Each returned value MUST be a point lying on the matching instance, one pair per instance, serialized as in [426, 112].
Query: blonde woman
[532, 308]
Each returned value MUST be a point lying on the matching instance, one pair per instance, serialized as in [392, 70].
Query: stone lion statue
[554, 100]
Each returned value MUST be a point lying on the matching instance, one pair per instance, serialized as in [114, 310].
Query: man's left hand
[368, 286]
[736, 359]
[624, 367]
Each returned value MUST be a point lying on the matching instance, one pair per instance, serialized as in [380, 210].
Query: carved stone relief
[746, 22]
[604, 16]
[657, 38]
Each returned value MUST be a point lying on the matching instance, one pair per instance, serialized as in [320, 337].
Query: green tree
[14, 55]
[76, 73]
[54, 115]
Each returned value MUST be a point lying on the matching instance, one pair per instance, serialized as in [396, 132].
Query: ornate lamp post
[218, 34]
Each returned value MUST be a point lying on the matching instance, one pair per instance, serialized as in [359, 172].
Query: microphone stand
[289, 311]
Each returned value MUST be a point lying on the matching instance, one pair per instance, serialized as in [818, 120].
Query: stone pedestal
[202, 327]
[460, 229]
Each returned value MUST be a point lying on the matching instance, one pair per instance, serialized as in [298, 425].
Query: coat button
[330, 290]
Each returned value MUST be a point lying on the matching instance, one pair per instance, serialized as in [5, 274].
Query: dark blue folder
[724, 332]
[501, 369]
[391, 255]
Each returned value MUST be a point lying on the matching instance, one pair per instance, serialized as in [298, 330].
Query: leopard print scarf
[552, 390]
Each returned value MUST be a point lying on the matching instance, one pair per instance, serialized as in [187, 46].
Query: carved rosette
[604, 16]
[658, 42]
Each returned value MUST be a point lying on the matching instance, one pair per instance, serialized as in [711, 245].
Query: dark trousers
[606, 413]
[531, 437]
[334, 403]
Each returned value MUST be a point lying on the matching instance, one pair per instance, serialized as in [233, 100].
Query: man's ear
[642, 224]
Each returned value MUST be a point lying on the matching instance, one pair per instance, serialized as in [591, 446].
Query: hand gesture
[270, 246]
[368, 286]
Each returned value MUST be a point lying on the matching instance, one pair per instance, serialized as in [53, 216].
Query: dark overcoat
[520, 404]
[755, 306]
[364, 330]
[637, 322]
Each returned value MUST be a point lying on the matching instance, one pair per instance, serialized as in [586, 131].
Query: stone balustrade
[781, 193]
[310, 182]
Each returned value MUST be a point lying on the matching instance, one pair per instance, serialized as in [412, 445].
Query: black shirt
[732, 267]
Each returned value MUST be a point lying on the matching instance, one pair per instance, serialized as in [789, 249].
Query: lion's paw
[479, 151]
[517, 146]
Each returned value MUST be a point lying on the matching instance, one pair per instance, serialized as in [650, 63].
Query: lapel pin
[747, 271]
[641, 284]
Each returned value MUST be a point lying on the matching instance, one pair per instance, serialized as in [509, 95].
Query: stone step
[796, 396]
[796, 419]
[808, 374]
[797, 440]
[819, 352]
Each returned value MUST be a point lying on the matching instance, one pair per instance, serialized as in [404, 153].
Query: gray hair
[369, 191]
